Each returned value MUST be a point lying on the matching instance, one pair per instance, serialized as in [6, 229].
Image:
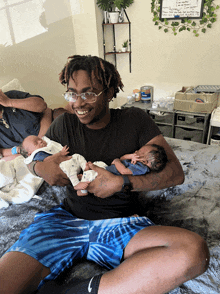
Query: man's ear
[110, 94]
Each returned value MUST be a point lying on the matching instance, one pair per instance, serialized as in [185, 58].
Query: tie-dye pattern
[56, 238]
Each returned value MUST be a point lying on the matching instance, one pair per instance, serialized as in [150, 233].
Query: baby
[35, 148]
[148, 158]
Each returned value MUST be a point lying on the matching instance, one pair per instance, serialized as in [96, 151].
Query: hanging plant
[195, 25]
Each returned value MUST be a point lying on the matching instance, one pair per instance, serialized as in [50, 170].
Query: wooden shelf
[110, 24]
[110, 53]
[114, 52]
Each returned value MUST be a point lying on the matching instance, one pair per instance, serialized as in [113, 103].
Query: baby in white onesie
[35, 148]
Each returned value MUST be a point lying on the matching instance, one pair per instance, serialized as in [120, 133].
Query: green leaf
[194, 31]
[160, 27]
[156, 23]
[203, 30]
[166, 30]
[209, 26]
[188, 29]
[175, 34]
[166, 22]
[196, 35]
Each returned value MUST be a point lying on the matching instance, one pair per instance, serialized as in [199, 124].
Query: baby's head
[30, 144]
[154, 156]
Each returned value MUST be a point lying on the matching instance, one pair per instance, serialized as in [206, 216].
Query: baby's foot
[81, 186]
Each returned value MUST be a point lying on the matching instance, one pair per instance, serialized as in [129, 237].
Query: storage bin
[192, 120]
[167, 131]
[189, 134]
[163, 117]
[187, 102]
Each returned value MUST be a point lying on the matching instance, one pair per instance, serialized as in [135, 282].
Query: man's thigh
[158, 236]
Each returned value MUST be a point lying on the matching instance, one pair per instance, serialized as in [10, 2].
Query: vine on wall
[195, 25]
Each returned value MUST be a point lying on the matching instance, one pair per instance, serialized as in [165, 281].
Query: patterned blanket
[193, 205]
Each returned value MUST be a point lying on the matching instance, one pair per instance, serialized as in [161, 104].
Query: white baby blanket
[17, 184]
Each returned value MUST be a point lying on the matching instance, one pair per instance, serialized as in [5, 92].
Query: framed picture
[177, 9]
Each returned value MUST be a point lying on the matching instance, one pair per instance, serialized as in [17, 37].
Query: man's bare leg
[157, 260]
[20, 273]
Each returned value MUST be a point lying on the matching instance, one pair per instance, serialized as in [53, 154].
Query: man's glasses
[88, 97]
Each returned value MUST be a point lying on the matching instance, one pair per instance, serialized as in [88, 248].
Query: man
[21, 115]
[141, 257]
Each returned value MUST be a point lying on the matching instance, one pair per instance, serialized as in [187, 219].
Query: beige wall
[74, 27]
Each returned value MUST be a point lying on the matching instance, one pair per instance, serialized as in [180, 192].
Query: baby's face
[145, 156]
[31, 143]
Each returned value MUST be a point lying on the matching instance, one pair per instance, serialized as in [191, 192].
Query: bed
[194, 205]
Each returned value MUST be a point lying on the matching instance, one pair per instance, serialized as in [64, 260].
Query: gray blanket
[193, 205]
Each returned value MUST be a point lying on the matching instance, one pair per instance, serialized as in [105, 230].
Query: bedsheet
[194, 205]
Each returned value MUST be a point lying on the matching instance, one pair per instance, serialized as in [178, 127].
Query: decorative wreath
[208, 18]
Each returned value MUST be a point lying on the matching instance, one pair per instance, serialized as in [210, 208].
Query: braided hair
[104, 71]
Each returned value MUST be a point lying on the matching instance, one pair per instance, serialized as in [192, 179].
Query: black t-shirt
[22, 123]
[128, 130]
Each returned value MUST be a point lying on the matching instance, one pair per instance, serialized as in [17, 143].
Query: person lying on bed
[141, 257]
[21, 115]
[147, 158]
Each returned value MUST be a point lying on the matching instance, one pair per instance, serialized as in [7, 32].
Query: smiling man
[141, 257]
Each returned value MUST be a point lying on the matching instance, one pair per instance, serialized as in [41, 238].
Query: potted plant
[124, 46]
[114, 8]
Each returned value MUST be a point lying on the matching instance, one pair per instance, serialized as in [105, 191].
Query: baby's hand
[64, 151]
[134, 158]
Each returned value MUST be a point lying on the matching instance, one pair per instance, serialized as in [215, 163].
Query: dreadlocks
[104, 71]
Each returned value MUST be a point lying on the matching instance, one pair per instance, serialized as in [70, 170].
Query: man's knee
[197, 255]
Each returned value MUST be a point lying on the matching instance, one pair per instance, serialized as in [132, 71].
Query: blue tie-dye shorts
[56, 238]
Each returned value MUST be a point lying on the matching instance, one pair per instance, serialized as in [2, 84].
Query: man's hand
[50, 171]
[4, 100]
[105, 184]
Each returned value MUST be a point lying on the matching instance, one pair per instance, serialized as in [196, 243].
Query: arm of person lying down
[45, 122]
[106, 184]
[5, 154]
[35, 104]
[50, 171]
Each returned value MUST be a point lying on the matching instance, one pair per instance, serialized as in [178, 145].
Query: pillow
[13, 85]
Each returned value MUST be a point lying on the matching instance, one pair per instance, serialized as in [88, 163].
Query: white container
[130, 99]
[215, 140]
[113, 17]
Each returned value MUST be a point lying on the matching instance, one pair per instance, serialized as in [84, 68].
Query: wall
[69, 28]
[166, 61]
[74, 27]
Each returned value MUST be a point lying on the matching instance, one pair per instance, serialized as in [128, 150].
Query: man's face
[95, 115]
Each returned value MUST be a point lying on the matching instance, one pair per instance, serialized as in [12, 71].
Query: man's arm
[35, 104]
[50, 171]
[45, 122]
[106, 184]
